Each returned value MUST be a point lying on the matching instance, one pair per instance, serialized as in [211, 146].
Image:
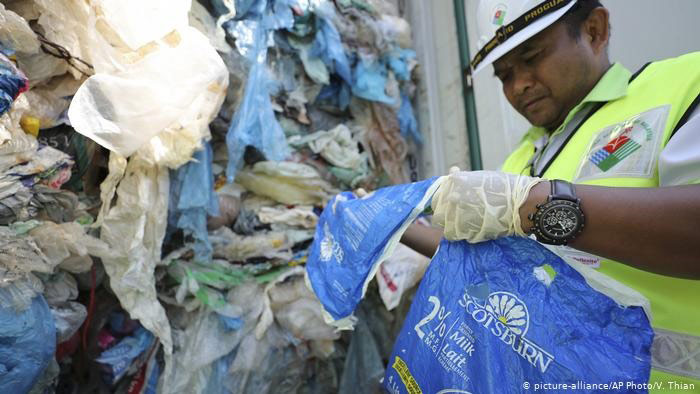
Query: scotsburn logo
[506, 317]
[329, 247]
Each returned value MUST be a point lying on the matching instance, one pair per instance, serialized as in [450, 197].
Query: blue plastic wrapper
[27, 344]
[353, 236]
[192, 198]
[484, 320]
[369, 81]
[399, 60]
[119, 358]
[328, 46]
[12, 83]
[254, 123]
[408, 125]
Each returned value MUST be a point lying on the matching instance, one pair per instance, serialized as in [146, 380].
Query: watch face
[560, 220]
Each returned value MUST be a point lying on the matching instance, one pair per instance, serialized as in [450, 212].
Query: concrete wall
[642, 31]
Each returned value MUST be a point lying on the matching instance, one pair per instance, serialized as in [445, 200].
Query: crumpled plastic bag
[134, 228]
[407, 121]
[124, 110]
[254, 123]
[19, 257]
[192, 198]
[12, 83]
[60, 288]
[270, 244]
[327, 44]
[398, 273]
[370, 80]
[286, 182]
[210, 336]
[60, 242]
[119, 358]
[353, 237]
[16, 33]
[68, 317]
[381, 136]
[302, 315]
[26, 344]
[300, 216]
[337, 146]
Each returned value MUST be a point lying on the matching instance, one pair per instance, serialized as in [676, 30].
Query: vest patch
[626, 149]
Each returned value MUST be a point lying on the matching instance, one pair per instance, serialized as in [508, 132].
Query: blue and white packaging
[509, 316]
[353, 237]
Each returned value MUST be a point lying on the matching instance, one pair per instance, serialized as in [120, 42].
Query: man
[629, 143]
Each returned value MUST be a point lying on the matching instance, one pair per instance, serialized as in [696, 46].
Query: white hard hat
[504, 24]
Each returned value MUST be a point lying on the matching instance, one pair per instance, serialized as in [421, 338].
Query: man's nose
[522, 81]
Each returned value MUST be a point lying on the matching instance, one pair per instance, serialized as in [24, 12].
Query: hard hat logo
[499, 14]
[504, 24]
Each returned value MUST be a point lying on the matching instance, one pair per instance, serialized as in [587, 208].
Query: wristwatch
[560, 219]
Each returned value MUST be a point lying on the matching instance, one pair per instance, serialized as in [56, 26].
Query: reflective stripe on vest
[619, 146]
[676, 353]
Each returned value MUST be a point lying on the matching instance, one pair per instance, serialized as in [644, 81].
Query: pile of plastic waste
[162, 168]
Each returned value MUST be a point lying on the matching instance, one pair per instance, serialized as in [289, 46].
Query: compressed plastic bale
[20, 256]
[16, 33]
[68, 240]
[286, 182]
[27, 344]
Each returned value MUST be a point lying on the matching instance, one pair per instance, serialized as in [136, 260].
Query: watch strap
[562, 190]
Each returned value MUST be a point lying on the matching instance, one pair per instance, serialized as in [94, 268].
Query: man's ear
[596, 29]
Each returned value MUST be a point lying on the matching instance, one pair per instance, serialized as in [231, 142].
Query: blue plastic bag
[408, 125]
[484, 320]
[119, 358]
[399, 60]
[369, 81]
[27, 344]
[354, 236]
[12, 83]
[328, 46]
[254, 123]
[192, 198]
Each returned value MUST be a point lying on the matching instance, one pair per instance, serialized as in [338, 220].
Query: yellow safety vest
[619, 146]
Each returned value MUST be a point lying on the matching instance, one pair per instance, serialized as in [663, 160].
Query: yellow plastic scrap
[30, 125]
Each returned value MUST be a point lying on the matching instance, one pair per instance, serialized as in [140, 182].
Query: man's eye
[503, 77]
[530, 58]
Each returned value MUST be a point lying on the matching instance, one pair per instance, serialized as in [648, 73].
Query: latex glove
[481, 205]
